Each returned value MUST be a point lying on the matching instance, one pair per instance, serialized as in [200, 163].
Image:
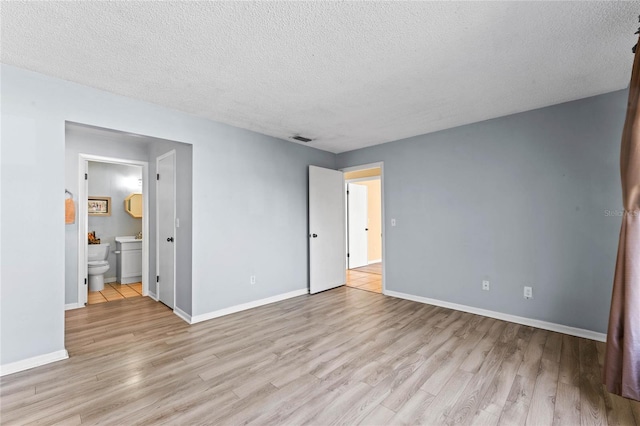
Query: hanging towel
[69, 211]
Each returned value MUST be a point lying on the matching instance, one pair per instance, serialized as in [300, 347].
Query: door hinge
[347, 192]
[85, 281]
[157, 278]
[347, 254]
[158, 176]
[86, 176]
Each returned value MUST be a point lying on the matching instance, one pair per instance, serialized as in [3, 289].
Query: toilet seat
[98, 263]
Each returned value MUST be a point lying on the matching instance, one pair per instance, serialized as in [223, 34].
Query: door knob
[170, 239]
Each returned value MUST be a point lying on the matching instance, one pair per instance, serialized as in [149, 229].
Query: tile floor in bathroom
[366, 278]
[115, 291]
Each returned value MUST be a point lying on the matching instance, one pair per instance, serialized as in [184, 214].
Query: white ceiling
[347, 74]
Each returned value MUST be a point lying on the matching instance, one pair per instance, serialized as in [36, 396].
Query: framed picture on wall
[99, 206]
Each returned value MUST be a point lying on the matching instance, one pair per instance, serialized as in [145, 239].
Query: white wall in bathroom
[117, 181]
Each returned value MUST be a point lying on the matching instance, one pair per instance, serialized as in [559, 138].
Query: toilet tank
[97, 252]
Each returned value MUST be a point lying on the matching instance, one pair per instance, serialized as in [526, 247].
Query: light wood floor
[373, 268]
[344, 356]
[114, 291]
[366, 278]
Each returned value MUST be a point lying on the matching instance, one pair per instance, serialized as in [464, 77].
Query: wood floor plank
[567, 405]
[543, 399]
[380, 415]
[496, 396]
[469, 401]
[344, 356]
[445, 400]
[439, 378]
[484, 418]
[425, 370]
[475, 359]
[592, 407]
[413, 409]
[570, 361]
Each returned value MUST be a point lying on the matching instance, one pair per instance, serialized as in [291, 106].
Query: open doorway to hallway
[364, 228]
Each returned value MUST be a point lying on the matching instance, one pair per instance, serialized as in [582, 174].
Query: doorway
[328, 241]
[364, 228]
[113, 201]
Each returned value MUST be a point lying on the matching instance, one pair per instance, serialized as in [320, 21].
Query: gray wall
[248, 217]
[114, 181]
[519, 200]
[258, 221]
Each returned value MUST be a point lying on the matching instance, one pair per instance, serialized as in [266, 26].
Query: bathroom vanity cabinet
[128, 260]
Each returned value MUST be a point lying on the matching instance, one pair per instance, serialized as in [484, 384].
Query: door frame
[346, 185]
[379, 164]
[348, 221]
[83, 222]
[158, 158]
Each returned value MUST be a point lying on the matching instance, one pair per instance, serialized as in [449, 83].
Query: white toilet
[98, 265]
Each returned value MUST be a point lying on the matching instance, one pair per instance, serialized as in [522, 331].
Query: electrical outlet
[528, 293]
[393, 222]
[485, 285]
[253, 279]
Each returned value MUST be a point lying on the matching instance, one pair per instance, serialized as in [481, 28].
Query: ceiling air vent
[301, 138]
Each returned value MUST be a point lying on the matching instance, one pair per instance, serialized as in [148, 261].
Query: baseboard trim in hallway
[249, 305]
[182, 314]
[69, 306]
[559, 328]
[33, 362]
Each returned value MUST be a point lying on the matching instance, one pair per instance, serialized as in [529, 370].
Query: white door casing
[83, 229]
[358, 219]
[166, 231]
[327, 267]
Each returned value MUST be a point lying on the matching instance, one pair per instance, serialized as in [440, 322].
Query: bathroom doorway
[364, 222]
[112, 223]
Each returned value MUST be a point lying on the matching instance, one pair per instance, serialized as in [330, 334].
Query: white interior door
[326, 229]
[358, 225]
[166, 219]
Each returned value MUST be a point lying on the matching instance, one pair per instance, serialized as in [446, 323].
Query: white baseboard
[371, 262]
[559, 328]
[70, 306]
[110, 280]
[243, 307]
[182, 314]
[151, 295]
[33, 362]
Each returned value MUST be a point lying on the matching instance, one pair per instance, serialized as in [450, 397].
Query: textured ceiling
[346, 74]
